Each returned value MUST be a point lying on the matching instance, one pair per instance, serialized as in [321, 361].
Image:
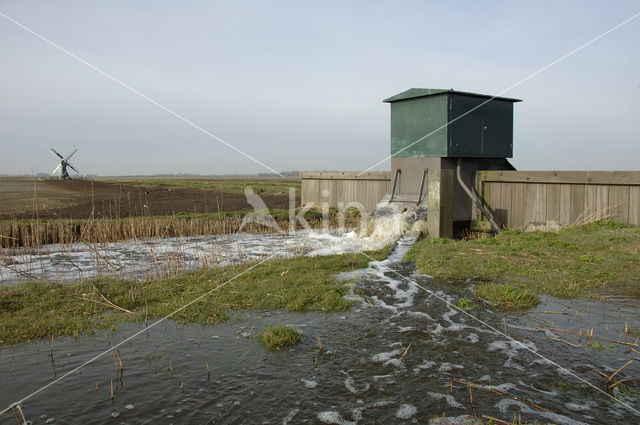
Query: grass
[466, 304]
[279, 337]
[507, 297]
[38, 310]
[577, 261]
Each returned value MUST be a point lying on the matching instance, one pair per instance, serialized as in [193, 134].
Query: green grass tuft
[466, 304]
[507, 297]
[279, 337]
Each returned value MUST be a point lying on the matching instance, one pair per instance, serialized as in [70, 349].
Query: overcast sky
[299, 85]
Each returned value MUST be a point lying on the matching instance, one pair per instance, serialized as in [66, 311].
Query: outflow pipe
[475, 199]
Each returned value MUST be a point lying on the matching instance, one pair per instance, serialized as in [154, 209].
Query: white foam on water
[397, 363]
[437, 331]
[145, 258]
[356, 413]
[473, 338]
[290, 416]
[504, 405]
[377, 233]
[451, 401]
[308, 383]
[427, 364]
[420, 314]
[446, 367]
[386, 356]
[511, 349]
[504, 387]
[383, 403]
[349, 384]
[403, 329]
[580, 407]
[333, 418]
[406, 411]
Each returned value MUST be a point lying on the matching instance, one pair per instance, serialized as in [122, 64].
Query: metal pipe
[395, 181]
[475, 199]
[424, 176]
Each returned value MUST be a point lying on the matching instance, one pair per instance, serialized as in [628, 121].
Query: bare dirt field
[26, 198]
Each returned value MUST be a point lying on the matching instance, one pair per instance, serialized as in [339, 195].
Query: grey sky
[299, 85]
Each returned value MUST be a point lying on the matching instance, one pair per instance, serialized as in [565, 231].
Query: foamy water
[161, 257]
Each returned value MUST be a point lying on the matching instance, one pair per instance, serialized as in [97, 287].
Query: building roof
[413, 93]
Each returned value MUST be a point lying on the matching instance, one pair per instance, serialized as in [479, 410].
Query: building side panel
[412, 120]
[480, 129]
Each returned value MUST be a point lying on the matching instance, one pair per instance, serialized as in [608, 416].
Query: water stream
[392, 358]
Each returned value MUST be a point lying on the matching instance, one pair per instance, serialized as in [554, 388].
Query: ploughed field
[27, 198]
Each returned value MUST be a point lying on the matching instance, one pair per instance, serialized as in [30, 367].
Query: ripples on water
[152, 258]
[365, 372]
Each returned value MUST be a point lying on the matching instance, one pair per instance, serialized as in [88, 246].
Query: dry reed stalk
[496, 420]
[469, 384]
[405, 351]
[21, 419]
[618, 371]
[587, 218]
[589, 335]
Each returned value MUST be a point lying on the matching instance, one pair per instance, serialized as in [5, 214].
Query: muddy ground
[26, 198]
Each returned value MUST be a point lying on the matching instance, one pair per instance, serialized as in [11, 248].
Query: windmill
[61, 169]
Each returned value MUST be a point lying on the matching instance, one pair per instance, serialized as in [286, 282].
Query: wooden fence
[340, 188]
[531, 200]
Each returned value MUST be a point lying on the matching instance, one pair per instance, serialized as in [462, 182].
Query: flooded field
[162, 257]
[402, 354]
[148, 259]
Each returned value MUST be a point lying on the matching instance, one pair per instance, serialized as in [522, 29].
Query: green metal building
[450, 124]
[436, 129]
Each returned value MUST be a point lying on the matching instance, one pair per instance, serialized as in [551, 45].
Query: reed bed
[60, 250]
[35, 233]
[32, 233]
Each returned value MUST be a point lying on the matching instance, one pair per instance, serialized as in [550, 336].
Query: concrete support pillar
[440, 203]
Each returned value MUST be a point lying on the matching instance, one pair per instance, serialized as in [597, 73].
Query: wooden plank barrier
[531, 200]
[338, 189]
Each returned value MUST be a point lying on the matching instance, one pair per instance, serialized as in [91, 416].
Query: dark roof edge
[416, 93]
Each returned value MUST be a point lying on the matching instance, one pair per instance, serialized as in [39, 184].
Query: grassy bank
[38, 310]
[34, 233]
[577, 261]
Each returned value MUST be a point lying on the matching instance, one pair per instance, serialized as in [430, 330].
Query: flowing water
[392, 358]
